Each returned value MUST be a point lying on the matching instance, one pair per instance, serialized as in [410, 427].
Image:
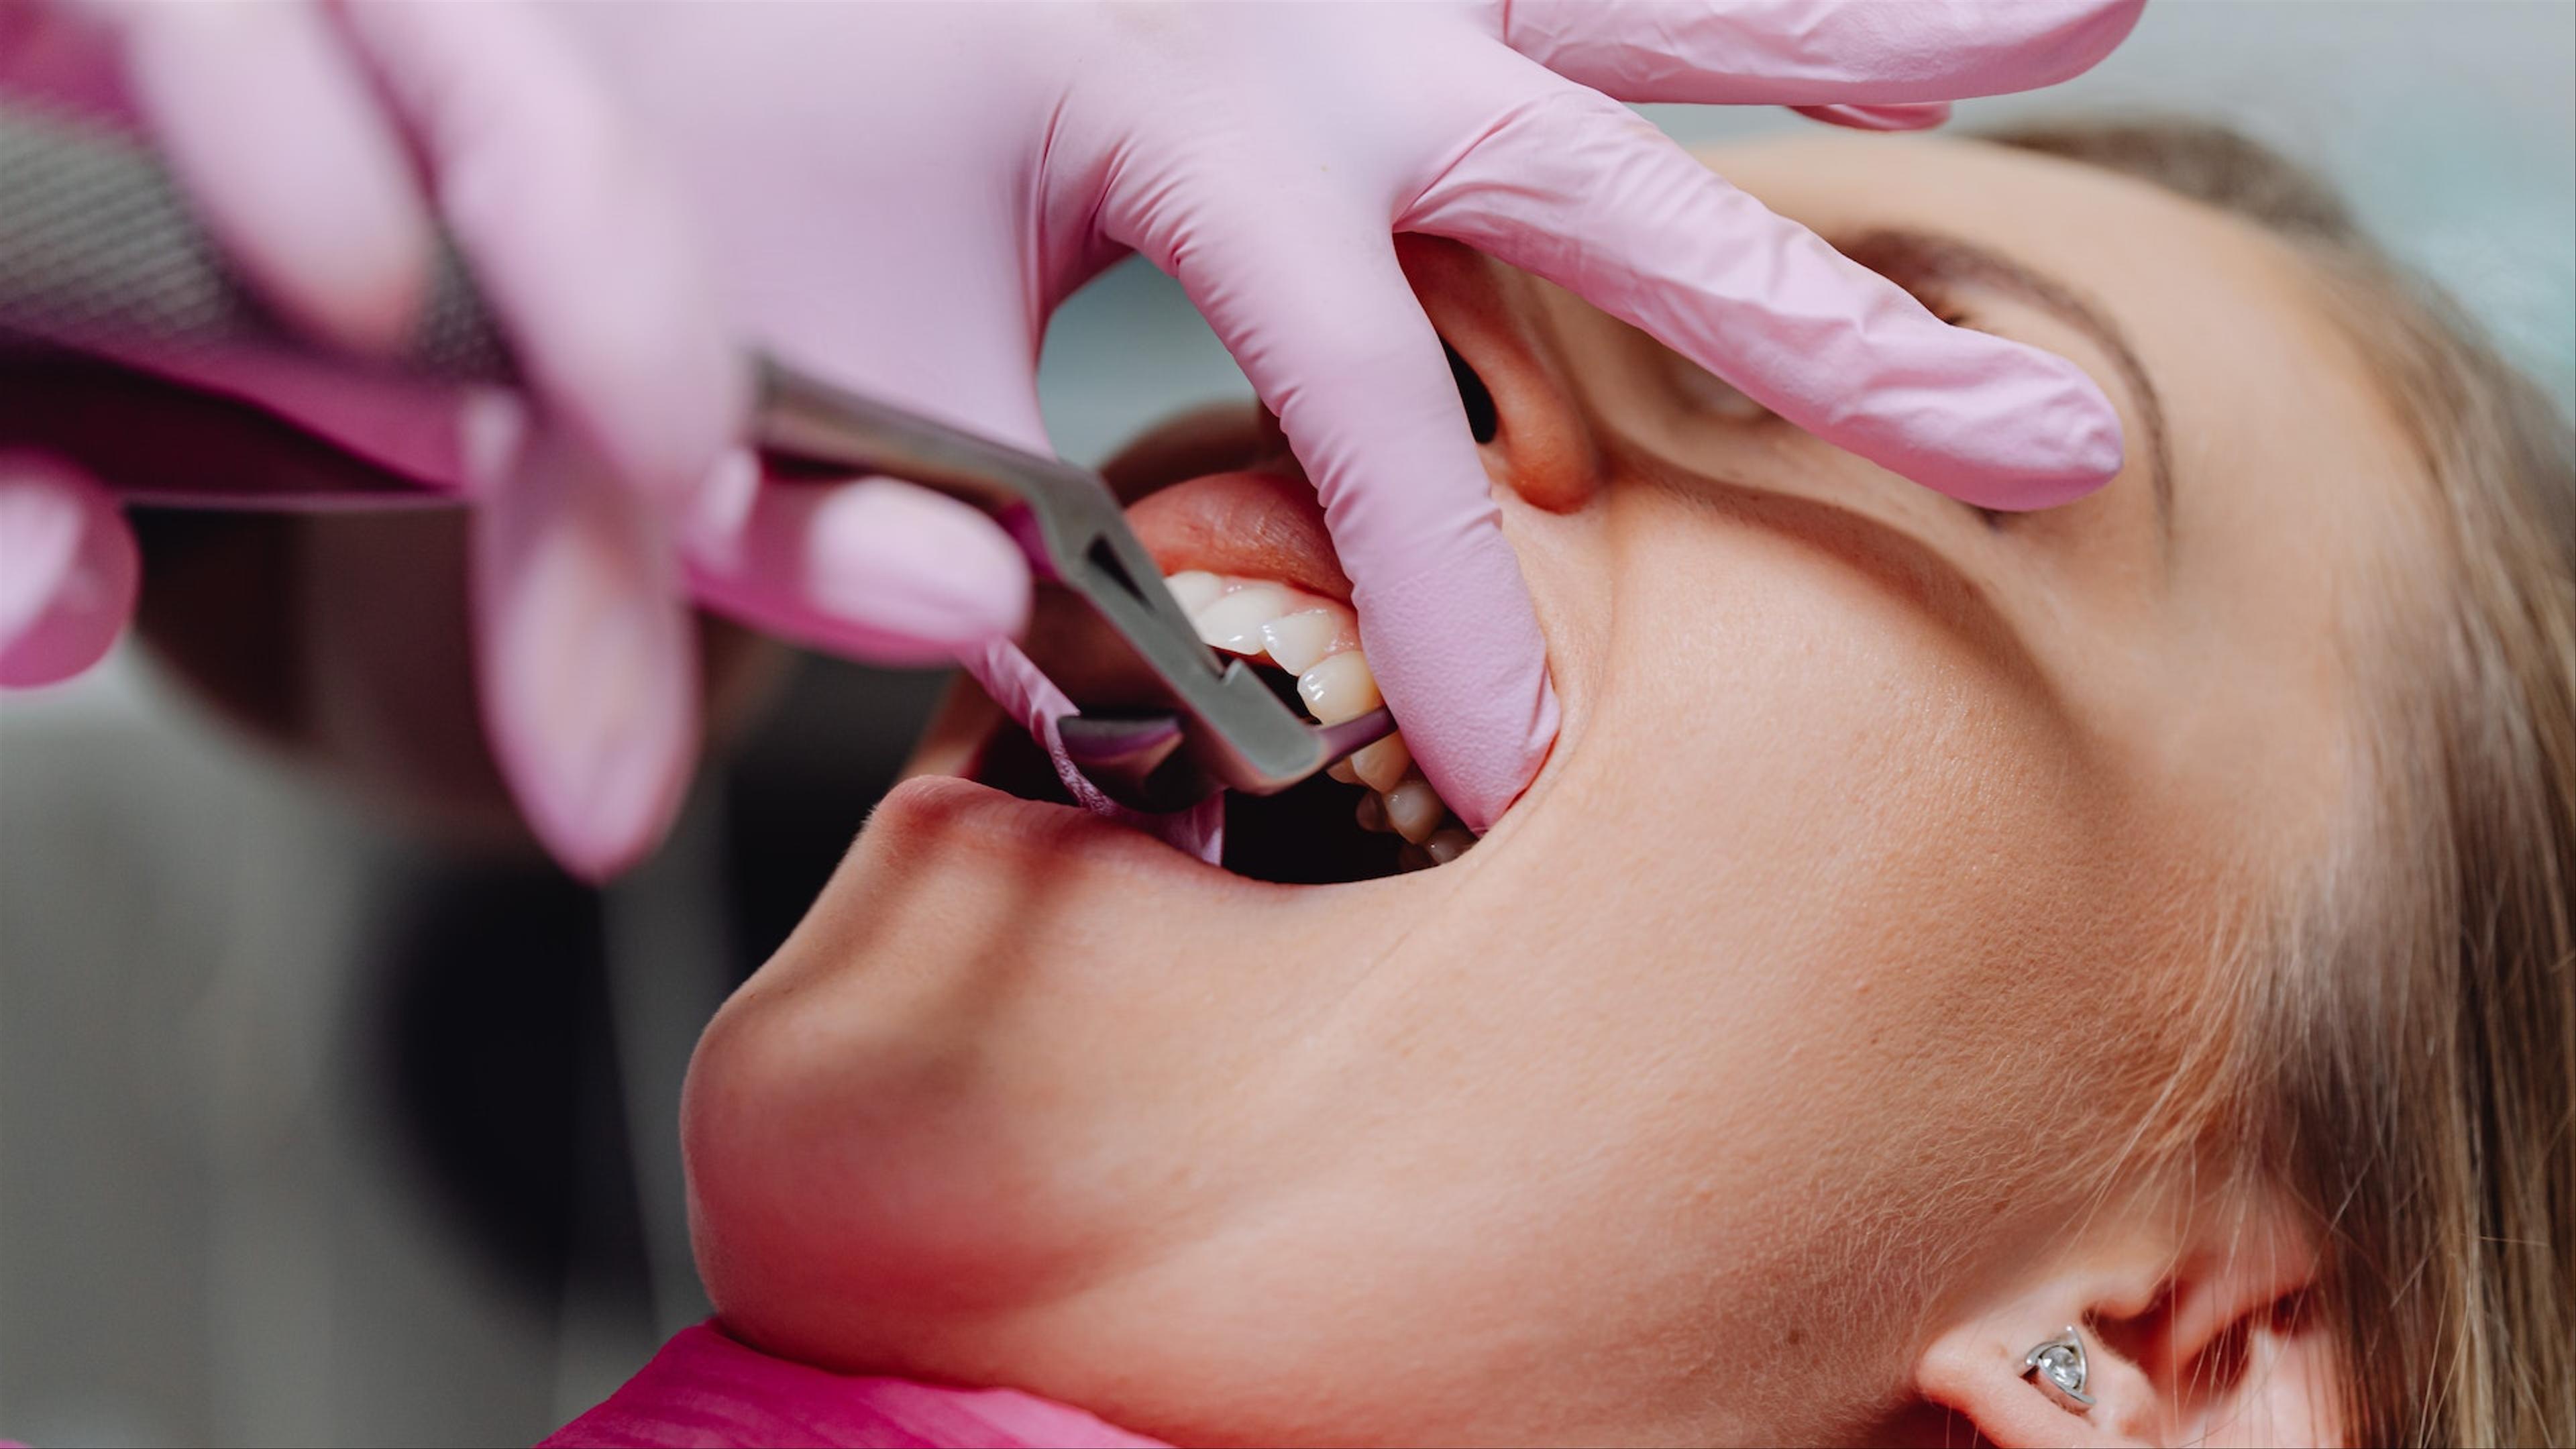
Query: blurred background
[326, 1119]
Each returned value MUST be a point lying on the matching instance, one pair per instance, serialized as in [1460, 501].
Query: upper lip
[1250, 523]
[1244, 523]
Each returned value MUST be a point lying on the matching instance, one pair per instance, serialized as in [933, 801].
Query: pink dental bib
[704, 1389]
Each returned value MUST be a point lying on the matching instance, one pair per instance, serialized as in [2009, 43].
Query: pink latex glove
[902, 194]
[323, 146]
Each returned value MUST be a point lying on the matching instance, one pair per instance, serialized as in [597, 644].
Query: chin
[935, 1031]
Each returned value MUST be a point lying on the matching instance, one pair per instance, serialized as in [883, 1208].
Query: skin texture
[1873, 827]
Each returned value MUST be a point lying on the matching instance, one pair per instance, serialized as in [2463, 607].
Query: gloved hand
[902, 194]
[322, 146]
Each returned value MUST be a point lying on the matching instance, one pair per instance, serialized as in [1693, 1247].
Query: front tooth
[1233, 623]
[1414, 809]
[1300, 641]
[1381, 766]
[1195, 589]
[1447, 844]
[1339, 687]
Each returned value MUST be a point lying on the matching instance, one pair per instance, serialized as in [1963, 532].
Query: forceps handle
[99, 247]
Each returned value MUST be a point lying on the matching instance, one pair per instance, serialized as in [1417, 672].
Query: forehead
[2290, 474]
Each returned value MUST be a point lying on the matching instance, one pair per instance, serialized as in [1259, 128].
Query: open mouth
[1248, 556]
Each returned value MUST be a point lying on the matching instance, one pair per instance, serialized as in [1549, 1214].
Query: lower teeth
[1260, 619]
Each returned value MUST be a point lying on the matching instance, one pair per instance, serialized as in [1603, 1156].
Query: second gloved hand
[902, 194]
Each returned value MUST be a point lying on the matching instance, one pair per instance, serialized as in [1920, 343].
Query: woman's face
[1883, 843]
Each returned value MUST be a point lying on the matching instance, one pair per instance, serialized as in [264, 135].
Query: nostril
[1484, 421]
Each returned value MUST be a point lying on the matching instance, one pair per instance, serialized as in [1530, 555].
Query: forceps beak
[1139, 760]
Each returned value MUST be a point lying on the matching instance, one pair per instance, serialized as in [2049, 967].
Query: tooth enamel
[1339, 687]
[1414, 809]
[1371, 813]
[1447, 845]
[1317, 640]
[1300, 641]
[1195, 589]
[1234, 621]
[1381, 766]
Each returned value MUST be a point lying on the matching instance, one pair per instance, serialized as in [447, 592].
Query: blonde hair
[2404, 1049]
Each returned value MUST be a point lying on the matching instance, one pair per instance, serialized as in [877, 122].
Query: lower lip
[922, 813]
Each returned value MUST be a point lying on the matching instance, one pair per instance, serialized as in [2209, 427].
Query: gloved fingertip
[2065, 441]
[587, 659]
[903, 561]
[1458, 654]
[600, 837]
[598, 767]
[2098, 447]
[290, 160]
[69, 573]
[1486, 805]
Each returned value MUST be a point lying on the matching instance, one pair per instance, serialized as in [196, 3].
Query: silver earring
[2058, 1367]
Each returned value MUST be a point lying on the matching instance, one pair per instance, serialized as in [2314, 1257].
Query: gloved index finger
[1766, 304]
[1816, 52]
[1313, 304]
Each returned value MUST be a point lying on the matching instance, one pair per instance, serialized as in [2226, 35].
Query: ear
[2199, 1337]
[1519, 407]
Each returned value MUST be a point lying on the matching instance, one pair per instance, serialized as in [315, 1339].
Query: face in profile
[1792, 1021]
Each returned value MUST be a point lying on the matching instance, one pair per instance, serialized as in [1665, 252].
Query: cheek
[1785, 757]
[1815, 889]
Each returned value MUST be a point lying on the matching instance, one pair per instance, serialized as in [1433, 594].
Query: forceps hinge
[1239, 734]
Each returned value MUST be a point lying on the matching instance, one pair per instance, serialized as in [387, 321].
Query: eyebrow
[1908, 257]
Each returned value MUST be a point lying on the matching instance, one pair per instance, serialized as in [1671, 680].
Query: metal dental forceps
[97, 248]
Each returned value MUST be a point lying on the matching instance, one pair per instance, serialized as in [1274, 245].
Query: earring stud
[2058, 1367]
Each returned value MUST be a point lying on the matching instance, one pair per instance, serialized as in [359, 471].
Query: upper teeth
[1318, 640]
